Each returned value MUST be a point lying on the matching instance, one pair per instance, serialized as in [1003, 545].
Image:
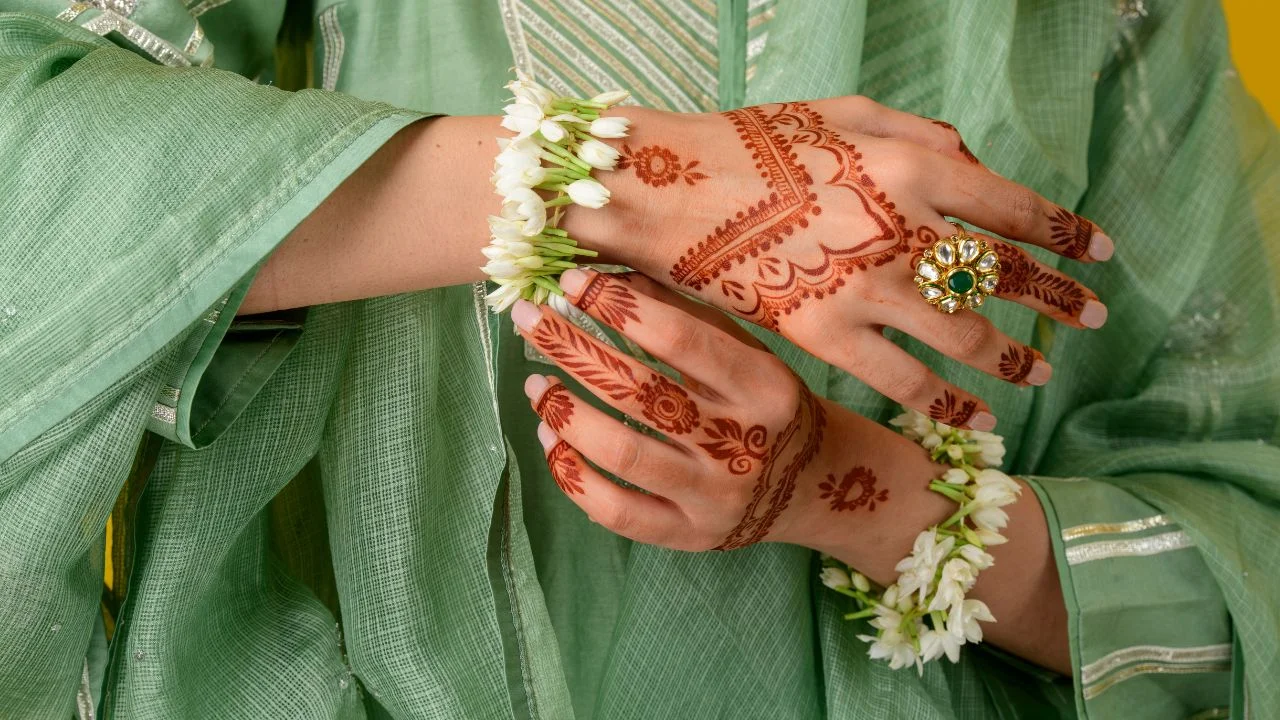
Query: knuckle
[1024, 212]
[626, 455]
[618, 517]
[907, 387]
[973, 338]
[685, 339]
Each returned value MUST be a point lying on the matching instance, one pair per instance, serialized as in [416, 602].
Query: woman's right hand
[807, 219]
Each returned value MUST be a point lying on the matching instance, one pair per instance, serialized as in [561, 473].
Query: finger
[972, 339]
[620, 380]
[1027, 281]
[1016, 212]
[629, 513]
[894, 373]
[572, 282]
[615, 448]
[697, 350]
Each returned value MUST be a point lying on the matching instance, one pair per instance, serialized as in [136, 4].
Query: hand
[807, 219]
[750, 454]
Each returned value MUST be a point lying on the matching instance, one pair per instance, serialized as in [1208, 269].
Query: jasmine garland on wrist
[925, 614]
[554, 151]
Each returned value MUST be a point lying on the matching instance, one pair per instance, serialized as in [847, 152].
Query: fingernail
[1100, 247]
[572, 281]
[1040, 373]
[535, 385]
[525, 315]
[1094, 315]
[547, 436]
[984, 421]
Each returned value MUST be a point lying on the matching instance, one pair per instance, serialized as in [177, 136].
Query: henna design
[781, 285]
[658, 166]
[838, 490]
[791, 451]
[1070, 232]
[1020, 275]
[613, 301]
[555, 407]
[667, 405]
[734, 444]
[1016, 362]
[663, 402]
[948, 409]
[964, 149]
[564, 468]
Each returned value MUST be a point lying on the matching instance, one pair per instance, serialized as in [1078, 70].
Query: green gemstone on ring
[961, 282]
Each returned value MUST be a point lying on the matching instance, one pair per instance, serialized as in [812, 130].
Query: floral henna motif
[780, 285]
[668, 406]
[948, 409]
[555, 407]
[658, 166]
[867, 494]
[565, 469]
[1020, 276]
[1070, 232]
[964, 149]
[791, 452]
[662, 402]
[613, 302]
[734, 444]
[1016, 362]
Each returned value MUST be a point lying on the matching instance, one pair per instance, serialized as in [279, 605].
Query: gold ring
[958, 271]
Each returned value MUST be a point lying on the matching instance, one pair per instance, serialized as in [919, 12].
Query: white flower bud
[588, 193]
[598, 155]
[860, 582]
[955, 476]
[527, 207]
[835, 578]
[610, 127]
[611, 98]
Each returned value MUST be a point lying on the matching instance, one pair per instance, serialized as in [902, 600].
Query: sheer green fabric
[350, 517]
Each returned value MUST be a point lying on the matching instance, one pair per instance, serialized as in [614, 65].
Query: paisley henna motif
[730, 442]
[865, 495]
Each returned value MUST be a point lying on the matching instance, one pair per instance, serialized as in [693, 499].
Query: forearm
[411, 218]
[1021, 588]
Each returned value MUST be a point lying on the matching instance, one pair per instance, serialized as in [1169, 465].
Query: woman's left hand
[749, 454]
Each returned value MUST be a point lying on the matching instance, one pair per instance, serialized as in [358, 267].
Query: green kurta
[343, 513]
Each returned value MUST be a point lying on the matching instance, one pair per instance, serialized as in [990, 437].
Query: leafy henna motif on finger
[792, 450]
[612, 302]
[866, 496]
[1021, 276]
[1016, 362]
[555, 407]
[950, 410]
[781, 285]
[659, 166]
[1070, 232]
[730, 442]
[565, 469]
[661, 401]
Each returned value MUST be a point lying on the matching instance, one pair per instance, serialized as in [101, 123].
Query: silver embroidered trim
[74, 11]
[147, 41]
[124, 7]
[85, 706]
[164, 414]
[1132, 671]
[1103, 549]
[206, 6]
[335, 46]
[1097, 669]
[1131, 526]
[169, 394]
[478, 292]
[515, 37]
[212, 316]
[196, 40]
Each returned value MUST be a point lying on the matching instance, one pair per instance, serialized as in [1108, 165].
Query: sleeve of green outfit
[137, 201]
